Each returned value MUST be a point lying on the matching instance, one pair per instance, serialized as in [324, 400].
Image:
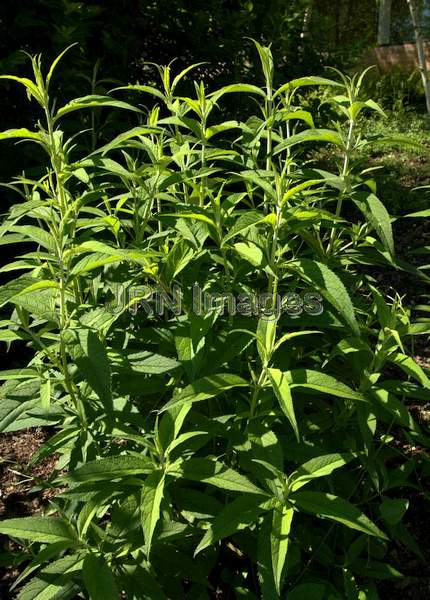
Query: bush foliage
[207, 452]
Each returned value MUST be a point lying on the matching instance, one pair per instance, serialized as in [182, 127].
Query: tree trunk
[384, 22]
[420, 50]
[306, 20]
[304, 34]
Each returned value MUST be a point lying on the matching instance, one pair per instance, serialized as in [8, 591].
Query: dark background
[122, 36]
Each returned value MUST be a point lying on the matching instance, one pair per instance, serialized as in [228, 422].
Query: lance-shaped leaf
[378, 217]
[93, 364]
[252, 253]
[149, 362]
[39, 529]
[236, 88]
[330, 286]
[152, 495]
[93, 101]
[48, 553]
[55, 63]
[305, 81]
[265, 335]
[98, 579]
[110, 468]
[320, 382]
[310, 135]
[124, 137]
[299, 188]
[317, 467]
[411, 368]
[300, 115]
[281, 387]
[142, 88]
[243, 223]
[259, 181]
[55, 581]
[420, 213]
[279, 540]
[35, 234]
[23, 134]
[397, 140]
[206, 387]
[237, 515]
[327, 506]
[215, 129]
[31, 87]
[214, 472]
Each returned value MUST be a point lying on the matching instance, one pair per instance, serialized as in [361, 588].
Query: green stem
[258, 387]
[56, 162]
[347, 188]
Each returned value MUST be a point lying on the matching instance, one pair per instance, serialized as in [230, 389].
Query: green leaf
[330, 286]
[393, 405]
[215, 129]
[300, 115]
[91, 359]
[420, 213]
[39, 529]
[300, 188]
[305, 81]
[206, 387]
[379, 218]
[11, 288]
[206, 470]
[314, 380]
[114, 467]
[237, 515]
[142, 88]
[193, 216]
[411, 368]
[138, 578]
[236, 88]
[149, 362]
[266, 334]
[120, 139]
[107, 164]
[56, 61]
[327, 506]
[31, 87]
[22, 133]
[393, 509]
[44, 555]
[243, 223]
[54, 582]
[152, 495]
[281, 387]
[93, 101]
[310, 135]
[171, 423]
[13, 412]
[279, 540]
[98, 579]
[317, 467]
[45, 395]
[250, 252]
[399, 140]
[11, 374]
[260, 181]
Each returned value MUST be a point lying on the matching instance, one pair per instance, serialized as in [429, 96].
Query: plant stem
[346, 179]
